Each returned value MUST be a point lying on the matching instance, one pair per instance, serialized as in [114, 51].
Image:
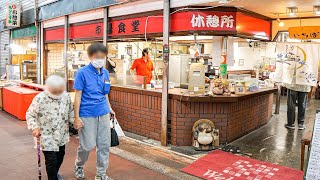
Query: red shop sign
[82, 31]
[183, 21]
[252, 26]
[54, 34]
[233, 22]
[86, 31]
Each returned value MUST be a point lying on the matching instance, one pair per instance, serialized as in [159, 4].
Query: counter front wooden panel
[139, 112]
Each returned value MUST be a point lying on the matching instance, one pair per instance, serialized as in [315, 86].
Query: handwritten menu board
[313, 166]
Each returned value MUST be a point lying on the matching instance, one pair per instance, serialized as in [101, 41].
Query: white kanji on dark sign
[197, 21]
[227, 21]
[212, 21]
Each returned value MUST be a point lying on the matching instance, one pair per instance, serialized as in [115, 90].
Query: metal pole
[38, 41]
[105, 29]
[105, 25]
[10, 55]
[223, 65]
[166, 53]
[277, 109]
[66, 34]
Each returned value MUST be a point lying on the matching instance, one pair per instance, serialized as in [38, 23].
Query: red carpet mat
[219, 165]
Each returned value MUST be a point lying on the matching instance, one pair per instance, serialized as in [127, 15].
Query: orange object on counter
[16, 100]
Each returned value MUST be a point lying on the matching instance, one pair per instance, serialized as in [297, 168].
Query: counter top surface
[185, 95]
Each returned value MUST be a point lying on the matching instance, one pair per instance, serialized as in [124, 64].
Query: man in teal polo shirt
[92, 111]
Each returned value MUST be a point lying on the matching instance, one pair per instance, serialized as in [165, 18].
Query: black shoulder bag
[114, 135]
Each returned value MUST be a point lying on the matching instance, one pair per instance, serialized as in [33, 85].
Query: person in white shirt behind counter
[48, 117]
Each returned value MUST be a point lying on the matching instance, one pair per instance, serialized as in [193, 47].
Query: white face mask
[55, 96]
[98, 63]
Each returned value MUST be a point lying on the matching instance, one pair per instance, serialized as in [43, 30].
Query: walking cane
[39, 158]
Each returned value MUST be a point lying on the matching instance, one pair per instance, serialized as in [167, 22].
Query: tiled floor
[276, 144]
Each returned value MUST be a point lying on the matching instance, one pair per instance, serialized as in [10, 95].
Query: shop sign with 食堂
[13, 13]
[29, 31]
[181, 23]
[305, 32]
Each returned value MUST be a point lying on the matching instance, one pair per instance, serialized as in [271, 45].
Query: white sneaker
[301, 126]
[97, 177]
[78, 172]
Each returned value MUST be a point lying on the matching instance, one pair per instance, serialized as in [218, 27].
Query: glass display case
[13, 72]
[133, 81]
[29, 71]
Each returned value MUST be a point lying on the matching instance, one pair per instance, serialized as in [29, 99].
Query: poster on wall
[13, 14]
[297, 61]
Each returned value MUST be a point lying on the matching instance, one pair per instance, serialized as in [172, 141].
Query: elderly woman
[48, 117]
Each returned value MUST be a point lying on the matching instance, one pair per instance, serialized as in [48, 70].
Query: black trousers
[293, 97]
[53, 162]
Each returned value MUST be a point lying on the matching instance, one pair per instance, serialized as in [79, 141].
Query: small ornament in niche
[205, 136]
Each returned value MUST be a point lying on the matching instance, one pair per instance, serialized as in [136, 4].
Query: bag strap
[112, 119]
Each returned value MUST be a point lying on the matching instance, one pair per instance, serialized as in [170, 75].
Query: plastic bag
[117, 127]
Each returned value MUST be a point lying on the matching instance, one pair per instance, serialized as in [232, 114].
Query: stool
[306, 140]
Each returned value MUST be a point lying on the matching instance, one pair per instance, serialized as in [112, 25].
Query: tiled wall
[54, 57]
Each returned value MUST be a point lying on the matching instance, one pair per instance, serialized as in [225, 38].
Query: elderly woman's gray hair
[55, 81]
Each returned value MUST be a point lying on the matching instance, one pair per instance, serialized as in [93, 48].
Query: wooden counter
[183, 95]
[139, 112]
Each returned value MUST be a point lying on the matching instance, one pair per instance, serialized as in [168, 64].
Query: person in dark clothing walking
[297, 95]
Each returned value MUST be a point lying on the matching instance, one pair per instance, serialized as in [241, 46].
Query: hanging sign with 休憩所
[181, 23]
[212, 21]
[13, 15]
[304, 32]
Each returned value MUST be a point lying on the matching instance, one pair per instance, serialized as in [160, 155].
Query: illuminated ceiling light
[32, 45]
[281, 24]
[316, 10]
[223, 1]
[292, 11]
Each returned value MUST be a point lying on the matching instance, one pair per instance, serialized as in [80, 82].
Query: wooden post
[164, 102]
[65, 48]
